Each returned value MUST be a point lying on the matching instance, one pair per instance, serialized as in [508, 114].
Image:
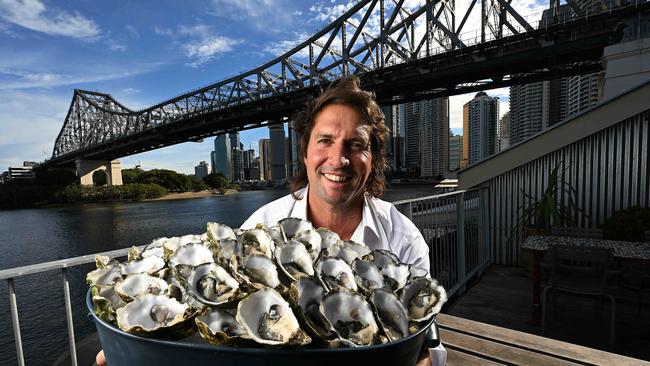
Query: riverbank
[189, 195]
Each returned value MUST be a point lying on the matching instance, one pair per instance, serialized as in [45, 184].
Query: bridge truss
[403, 52]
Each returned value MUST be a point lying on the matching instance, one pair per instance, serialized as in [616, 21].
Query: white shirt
[381, 226]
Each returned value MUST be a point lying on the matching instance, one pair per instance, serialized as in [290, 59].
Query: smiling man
[342, 135]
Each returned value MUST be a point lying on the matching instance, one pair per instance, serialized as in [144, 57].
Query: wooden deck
[470, 342]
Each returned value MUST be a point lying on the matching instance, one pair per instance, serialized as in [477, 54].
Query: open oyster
[391, 314]
[269, 320]
[423, 298]
[367, 275]
[210, 284]
[138, 284]
[227, 249]
[291, 226]
[107, 275]
[217, 232]
[156, 315]
[256, 241]
[351, 318]
[294, 260]
[395, 275]
[106, 302]
[335, 273]
[382, 258]
[328, 237]
[256, 271]
[305, 295]
[347, 250]
[220, 327]
[191, 254]
[312, 241]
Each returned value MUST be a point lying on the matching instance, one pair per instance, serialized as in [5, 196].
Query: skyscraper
[504, 132]
[201, 170]
[479, 128]
[278, 167]
[528, 110]
[265, 159]
[427, 143]
[223, 156]
[455, 143]
[235, 145]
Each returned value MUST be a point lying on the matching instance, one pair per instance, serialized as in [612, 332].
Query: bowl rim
[261, 350]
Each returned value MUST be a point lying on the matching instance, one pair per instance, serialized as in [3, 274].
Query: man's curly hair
[346, 91]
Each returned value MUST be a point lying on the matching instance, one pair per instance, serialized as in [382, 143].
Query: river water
[40, 235]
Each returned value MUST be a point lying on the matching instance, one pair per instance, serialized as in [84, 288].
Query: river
[32, 236]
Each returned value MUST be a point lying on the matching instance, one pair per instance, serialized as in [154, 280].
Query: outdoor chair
[582, 271]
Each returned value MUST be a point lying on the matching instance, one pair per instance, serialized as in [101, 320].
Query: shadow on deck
[503, 297]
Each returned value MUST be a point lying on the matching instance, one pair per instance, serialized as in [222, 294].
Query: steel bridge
[402, 53]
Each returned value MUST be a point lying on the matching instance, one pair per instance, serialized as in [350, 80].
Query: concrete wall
[86, 168]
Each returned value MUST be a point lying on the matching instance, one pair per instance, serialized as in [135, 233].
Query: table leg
[537, 279]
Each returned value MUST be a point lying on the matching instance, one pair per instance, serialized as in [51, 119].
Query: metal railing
[453, 225]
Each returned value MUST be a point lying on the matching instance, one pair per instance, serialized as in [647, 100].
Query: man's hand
[100, 359]
[424, 359]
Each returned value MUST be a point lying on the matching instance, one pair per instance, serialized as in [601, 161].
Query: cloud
[281, 47]
[199, 42]
[32, 14]
[130, 91]
[19, 79]
[113, 45]
[132, 32]
[262, 15]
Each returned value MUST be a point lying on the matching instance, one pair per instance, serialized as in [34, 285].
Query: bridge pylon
[86, 168]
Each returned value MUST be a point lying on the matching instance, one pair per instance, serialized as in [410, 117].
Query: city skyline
[141, 58]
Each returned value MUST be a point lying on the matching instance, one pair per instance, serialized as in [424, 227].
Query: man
[342, 135]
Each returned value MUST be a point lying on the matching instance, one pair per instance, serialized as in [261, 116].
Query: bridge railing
[452, 225]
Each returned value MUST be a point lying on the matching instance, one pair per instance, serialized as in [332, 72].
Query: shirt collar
[366, 232]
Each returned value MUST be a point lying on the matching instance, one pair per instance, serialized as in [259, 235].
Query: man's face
[338, 158]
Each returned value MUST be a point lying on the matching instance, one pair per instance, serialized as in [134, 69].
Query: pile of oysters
[288, 285]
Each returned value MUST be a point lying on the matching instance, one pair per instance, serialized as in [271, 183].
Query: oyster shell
[291, 226]
[256, 241]
[423, 298]
[192, 254]
[294, 260]
[269, 320]
[382, 258]
[256, 271]
[312, 241]
[328, 237]
[391, 313]
[335, 273]
[138, 284]
[227, 249]
[351, 317]
[210, 284]
[217, 232]
[220, 327]
[367, 275]
[104, 276]
[305, 295]
[347, 250]
[106, 302]
[149, 265]
[155, 315]
[395, 275]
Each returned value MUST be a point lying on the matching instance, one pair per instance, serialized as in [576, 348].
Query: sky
[142, 53]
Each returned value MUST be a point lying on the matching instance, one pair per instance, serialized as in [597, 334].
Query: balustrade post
[68, 314]
[460, 237]
[15, 322]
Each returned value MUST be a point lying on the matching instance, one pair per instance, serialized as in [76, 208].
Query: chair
[583, 271]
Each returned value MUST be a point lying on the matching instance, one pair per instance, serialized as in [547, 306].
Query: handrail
[460, 277]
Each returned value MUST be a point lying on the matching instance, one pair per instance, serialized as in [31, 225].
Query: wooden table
[538, 244]
[470, 343]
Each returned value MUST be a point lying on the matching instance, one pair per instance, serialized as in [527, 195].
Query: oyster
[149, 265]
[191, 254]
[156, 315]
[256, 271]
[305, 295]
[107, 275]
[347, 250]
[328, 237]
[423, 298]
[138, 284]
[391, 314]
[106, 302]
[227, 249]
[312, 241]
[367, 275]
[291, 226]
[275, 233]
[155, 248]
[335, 273]
[269, 320]
[210, 284]
[351, 318]
[395, 275]
[256, 241]
[217, 232]
[294, 260]
[220, 327]
[382, 258]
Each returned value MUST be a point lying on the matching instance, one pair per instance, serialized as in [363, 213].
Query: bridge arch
[86, 168]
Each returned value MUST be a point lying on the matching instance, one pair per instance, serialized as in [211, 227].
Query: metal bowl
[122, 348]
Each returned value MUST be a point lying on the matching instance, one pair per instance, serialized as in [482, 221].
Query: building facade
[223, 156]
[265, 159]
[479, 128]
[201, 170]
[277, 156]
[455, 151]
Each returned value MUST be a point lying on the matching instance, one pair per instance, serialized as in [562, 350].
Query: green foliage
[216, 181]
[628, 224]
[99, 178]
[17, 196]
[134, 191]
[174, 182]
[130, 175]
